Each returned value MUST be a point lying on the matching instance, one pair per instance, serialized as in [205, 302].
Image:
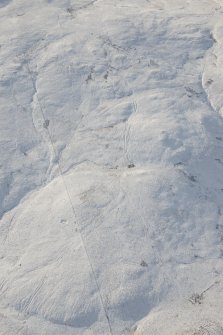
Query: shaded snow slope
[111, 183]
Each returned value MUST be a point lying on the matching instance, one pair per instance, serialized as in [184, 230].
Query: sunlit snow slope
[111, 167]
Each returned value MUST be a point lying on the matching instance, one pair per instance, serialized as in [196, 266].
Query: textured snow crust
[111, 168]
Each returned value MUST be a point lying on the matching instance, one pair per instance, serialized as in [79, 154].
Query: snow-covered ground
[111, 167]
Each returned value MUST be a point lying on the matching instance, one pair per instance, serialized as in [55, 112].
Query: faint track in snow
[126, 136]
[42, 117]
[126, 142]
[39, 122]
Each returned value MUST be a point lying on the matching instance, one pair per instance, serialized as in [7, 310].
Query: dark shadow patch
[4, 3]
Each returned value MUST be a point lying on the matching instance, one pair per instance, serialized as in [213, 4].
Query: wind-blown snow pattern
[111, 168]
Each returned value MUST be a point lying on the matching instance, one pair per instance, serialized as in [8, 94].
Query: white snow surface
[111, 167]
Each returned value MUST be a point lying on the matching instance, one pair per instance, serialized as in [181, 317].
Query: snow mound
[175, 320]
